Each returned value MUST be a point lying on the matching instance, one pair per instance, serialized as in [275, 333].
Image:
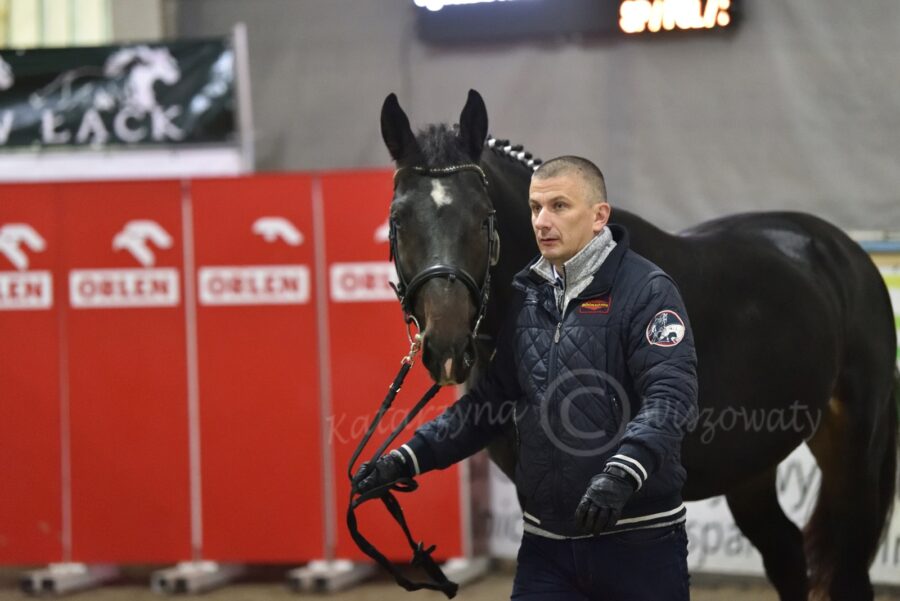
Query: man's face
[563, 219]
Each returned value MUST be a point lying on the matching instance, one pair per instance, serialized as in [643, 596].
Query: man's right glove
[386, 470]
[601, 506]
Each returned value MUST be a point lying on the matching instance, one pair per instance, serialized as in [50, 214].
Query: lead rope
[421, 554]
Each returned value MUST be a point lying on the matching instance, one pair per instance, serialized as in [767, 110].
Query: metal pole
[328, 485]
[246, 134]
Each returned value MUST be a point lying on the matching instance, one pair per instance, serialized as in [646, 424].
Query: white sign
[24, 290]
[717, 546]
[123, 288]
[254, 285]
[368, 281]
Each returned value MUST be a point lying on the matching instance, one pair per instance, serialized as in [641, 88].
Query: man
[598, 360]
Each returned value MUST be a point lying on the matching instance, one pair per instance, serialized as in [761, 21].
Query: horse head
[142, 67]
[443, 239]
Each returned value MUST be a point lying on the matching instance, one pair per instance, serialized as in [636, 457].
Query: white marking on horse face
[439, 194]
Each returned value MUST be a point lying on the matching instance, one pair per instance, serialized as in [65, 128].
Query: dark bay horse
[791, 319]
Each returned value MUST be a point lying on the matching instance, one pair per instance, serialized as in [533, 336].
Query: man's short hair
[589, 173]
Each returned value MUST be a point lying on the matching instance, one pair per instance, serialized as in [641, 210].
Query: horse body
[795, 342]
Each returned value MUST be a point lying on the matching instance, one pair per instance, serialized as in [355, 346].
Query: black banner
[173, 93]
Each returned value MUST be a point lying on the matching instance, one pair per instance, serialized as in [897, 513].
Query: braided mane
[440, 145]
[515, 152]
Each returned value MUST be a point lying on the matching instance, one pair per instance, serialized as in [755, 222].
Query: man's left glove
[601, 506]
[386, 470]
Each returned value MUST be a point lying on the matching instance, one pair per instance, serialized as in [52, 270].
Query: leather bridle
[406, 288]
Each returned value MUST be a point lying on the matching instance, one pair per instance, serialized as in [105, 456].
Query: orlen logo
[136, 238]
[226, 285]
[129, 288]
[273, 229]
[23, 289]
[365, 281]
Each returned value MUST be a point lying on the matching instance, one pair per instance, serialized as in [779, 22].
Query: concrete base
[63, 578]
[194, 577]
[463, 570]
[323, 576]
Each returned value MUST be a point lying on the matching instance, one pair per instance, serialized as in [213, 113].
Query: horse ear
[473, 124]
[396, 132]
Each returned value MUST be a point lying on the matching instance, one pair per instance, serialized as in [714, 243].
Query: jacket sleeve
[471, 422]
[662, 363]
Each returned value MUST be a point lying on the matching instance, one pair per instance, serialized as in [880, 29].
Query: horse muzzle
[448, 363]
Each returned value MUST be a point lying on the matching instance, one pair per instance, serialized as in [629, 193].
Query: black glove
[601, 506]
[386, 470]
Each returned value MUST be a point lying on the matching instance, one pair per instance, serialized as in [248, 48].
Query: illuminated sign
[639, 16]
[436, 5]
[473, 21]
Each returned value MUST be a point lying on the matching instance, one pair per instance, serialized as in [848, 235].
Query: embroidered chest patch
[665, 329]
[600, 305]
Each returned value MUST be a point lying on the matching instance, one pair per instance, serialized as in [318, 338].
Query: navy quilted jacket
[611, 381]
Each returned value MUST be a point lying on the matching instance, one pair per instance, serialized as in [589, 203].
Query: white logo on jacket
[665, 329]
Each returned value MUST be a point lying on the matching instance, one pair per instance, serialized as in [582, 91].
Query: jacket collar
[583, 265]
[603, 278]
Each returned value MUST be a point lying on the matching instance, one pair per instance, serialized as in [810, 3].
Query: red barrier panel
[127, 372]
[367, 340]
[114, 320]
[30, 504]
[259, 369]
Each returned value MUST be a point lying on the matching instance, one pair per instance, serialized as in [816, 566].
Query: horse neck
[646, 239]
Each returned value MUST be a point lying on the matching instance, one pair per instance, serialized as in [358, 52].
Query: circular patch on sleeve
[665, 329]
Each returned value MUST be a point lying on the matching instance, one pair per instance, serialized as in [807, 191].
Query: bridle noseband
[406, 288]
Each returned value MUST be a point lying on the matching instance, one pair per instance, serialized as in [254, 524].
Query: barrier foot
[194, 577]
[463, 570]
[323, 576]
[63, 578]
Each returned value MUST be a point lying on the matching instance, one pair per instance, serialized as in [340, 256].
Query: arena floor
[270, 586]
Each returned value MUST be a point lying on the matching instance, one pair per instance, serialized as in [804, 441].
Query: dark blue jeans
[640, 565]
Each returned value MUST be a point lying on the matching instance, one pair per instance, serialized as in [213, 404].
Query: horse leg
[754, 505]
[856, 449]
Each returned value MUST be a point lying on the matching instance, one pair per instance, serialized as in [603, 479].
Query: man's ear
[602, 211]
